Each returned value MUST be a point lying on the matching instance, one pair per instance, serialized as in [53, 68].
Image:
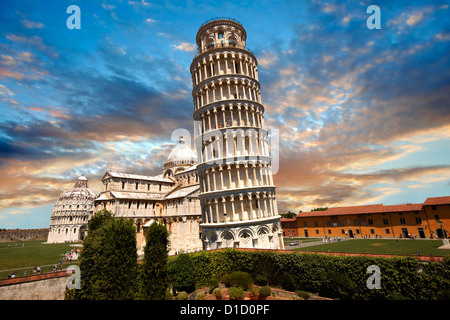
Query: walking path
[315, 243]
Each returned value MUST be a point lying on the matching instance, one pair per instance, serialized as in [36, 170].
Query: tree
[320, 209]
[87, 264]
[108, 262]
[288, 215]
[182, 273]
[115, 258]
[154, 273]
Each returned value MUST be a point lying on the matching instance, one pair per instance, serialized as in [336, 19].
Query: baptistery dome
[71, 213]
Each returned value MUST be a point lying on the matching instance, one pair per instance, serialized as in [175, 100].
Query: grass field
[287, 240]
[28, 254]
[383, 246]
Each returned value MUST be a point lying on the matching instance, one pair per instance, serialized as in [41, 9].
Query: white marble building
[170, 198]
[71, 213]
[237, 193]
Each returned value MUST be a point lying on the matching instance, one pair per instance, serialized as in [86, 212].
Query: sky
[363, 114]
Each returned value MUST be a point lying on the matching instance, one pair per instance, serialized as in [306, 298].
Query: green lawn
[288, 240]
[32, 253]
[383, 246]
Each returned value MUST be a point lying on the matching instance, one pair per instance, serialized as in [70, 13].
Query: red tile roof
[288, 220]
[373, 208]
[437, 200]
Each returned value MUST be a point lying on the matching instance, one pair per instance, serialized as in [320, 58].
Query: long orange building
[430, 219]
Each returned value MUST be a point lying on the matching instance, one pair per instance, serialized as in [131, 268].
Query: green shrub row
[343, 277]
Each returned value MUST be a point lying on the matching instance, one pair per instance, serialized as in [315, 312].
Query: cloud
[32, 25]
[414, 18]
[185, 46]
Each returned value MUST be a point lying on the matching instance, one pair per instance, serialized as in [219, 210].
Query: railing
[219, 18]
[230, 44]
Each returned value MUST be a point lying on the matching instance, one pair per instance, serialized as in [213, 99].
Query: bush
[182, 295]
[303, 294]
[254, 291]
[169, 295]
[218, 293]
[236, 293]
[311, 272]
[261, 280]
[238, 279]
[265, 291]
[200, 296]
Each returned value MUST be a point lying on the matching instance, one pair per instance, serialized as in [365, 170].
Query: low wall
[46, 286]
[23, 235]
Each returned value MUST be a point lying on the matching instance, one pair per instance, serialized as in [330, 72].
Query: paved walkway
[313, 243]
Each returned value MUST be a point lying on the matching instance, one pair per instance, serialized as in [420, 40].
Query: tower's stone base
[256, 234]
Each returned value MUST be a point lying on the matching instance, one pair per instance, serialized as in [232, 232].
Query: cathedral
[222, 196]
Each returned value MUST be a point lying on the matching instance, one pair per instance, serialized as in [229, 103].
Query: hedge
[343, 277]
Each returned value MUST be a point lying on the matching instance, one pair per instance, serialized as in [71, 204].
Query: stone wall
[23, 234]
[47, 286]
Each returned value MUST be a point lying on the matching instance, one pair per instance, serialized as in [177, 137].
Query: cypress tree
[115, 260]
[154, 274]
[87, 264]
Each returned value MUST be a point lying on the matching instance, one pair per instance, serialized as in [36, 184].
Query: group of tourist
[67, 256]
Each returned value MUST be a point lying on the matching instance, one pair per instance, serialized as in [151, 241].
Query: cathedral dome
[182, 154]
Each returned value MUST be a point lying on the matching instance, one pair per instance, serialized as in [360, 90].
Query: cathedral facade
[171, 198]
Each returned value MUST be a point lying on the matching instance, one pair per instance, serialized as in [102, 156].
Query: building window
[357, 231]
[317, 231]
[385, 222]
[372, 231]
[436, 217]
[148, 186]
[433, 208]
[129, 204]
[342, 231]
[329, 231]
[402, 221]
[370, 221]
[305, 224]
[418, 220]
[160, 186]
[328, 223]
[341, 222]
[316, 223]
[355, 222]
[123, 185]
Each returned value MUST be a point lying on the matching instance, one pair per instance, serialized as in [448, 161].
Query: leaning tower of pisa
[237, 194]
